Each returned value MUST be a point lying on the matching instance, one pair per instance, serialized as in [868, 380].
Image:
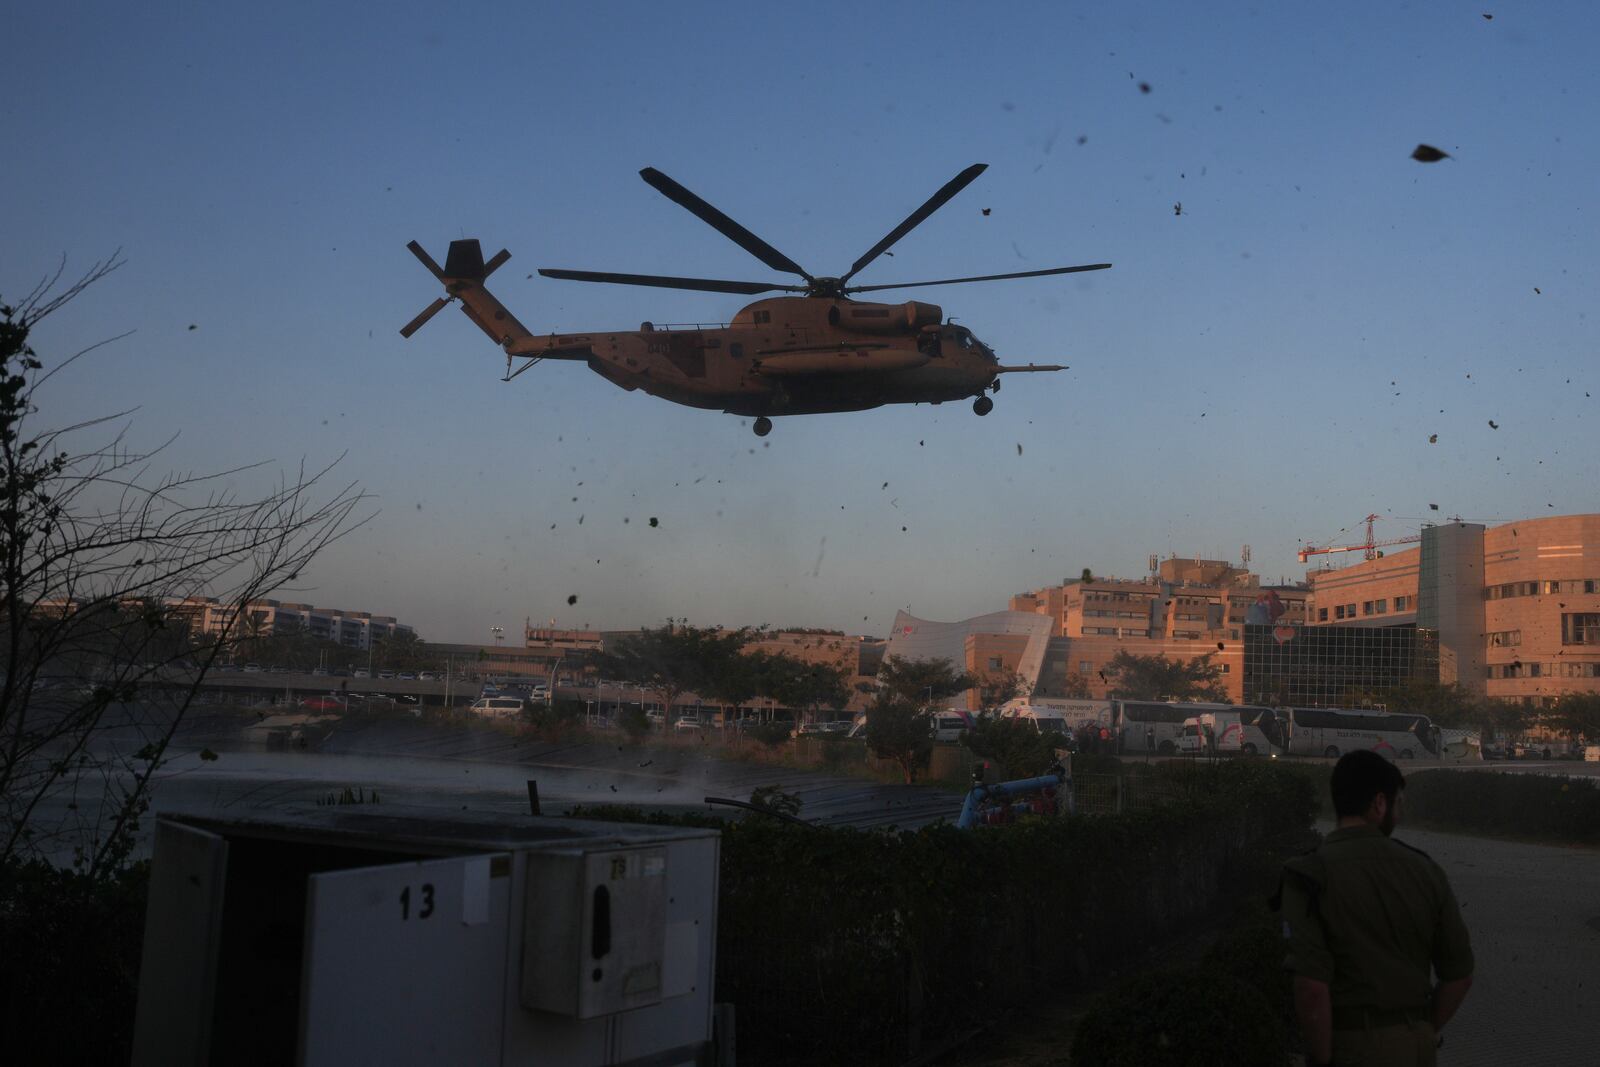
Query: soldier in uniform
[1371, 923]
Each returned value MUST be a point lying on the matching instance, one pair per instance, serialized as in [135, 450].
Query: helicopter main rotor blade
[980, 278]
[707, 285]
[721, 223]
[917, 217]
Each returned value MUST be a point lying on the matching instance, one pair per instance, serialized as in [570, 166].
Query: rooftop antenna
[1155, 564]
[1244, 557]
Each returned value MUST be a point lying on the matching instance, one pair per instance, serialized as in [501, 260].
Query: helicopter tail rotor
[463, 276]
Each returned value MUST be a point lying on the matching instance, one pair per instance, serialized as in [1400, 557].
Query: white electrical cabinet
[340, 936]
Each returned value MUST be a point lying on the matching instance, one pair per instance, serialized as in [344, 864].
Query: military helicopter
[820, 351]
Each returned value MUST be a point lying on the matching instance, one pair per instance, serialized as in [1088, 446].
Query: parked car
[362, 672]
[426, 676]
[406, 676]
[497, 707]
[322, 704]
[686, 724]
[319, 672]
[252, 668]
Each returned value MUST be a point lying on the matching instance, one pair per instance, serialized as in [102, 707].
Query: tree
[1015, 743]
[900, 720]
[1075, 686]
[102, 566]
[401, 650]
[675, 659]
[1578, 715]
[1135, 677]
[1449, 705]
[921, 681]
[801, 687]
[1000, 687]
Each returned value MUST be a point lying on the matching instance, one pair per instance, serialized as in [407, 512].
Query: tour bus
[1331, 732]
[1133, 722]
[1240, 730]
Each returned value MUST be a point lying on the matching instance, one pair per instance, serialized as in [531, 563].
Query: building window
[1349, 611]
[1366, 607]
[1580, 628]
[1402, 603]
[1505, 638]
[1322, 614]
[1381, 606]
[1338, 611]
[1085, 666]
[994, 663]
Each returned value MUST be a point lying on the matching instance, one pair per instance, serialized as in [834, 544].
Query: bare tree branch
[102, 565]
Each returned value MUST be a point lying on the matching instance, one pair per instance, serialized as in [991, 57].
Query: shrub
[1180, 1017]
[771, 734]
[772, 798]
[1016, 744]
[634, 722]
[69, 963]
[1254, 954]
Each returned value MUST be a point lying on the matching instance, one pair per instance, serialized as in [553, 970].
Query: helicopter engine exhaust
[909, 317]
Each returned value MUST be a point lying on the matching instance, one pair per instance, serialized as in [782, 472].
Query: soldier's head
[1366, 786]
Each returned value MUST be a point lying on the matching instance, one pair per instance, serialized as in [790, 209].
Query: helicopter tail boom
[462, 276]
[1031, 368]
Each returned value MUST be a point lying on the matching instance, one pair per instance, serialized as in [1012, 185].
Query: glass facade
[1324, 665]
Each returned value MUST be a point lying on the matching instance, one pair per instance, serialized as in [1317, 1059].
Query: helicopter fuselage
[787, 356]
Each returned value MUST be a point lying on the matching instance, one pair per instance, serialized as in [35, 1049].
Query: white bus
[1331, 732]
[1224, 729]
[1148, 726]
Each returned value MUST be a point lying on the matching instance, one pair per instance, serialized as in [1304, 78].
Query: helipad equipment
[341, 935]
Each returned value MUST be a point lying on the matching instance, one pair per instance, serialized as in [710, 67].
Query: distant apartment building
[266, 618]
[1515, 608]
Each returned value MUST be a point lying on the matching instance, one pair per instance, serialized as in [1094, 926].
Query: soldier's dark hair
[1361, 775]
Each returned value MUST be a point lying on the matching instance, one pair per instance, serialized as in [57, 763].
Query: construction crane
[1369, 547]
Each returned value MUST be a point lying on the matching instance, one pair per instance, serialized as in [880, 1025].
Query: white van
[1075, 713]
[950, 725]
[1045, 719]
[497, 707]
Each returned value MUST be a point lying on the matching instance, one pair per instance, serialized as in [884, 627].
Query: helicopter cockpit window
[928, 344]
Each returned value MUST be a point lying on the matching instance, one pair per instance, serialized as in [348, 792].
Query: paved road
[1534, 914]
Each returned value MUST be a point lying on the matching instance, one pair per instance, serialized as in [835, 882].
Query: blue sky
[1265, 367]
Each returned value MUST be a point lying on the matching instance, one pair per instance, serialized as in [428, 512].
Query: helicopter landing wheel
[763, 426]
[983, 405]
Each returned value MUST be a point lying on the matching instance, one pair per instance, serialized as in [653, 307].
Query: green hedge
[1538, 807]
[848, 946]
[69, 963]
[1180, 1017]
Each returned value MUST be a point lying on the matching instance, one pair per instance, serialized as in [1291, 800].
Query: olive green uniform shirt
[1371, 917]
